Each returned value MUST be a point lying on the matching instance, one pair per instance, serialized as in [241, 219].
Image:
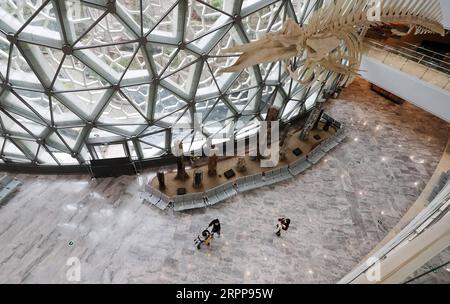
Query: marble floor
[340, 210]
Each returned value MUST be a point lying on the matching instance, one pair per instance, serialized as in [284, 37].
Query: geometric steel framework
[75, 71]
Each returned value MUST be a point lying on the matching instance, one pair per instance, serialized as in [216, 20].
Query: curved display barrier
[243, 183]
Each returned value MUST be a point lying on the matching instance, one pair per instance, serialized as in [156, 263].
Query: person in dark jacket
[215, 224]
[286, 224]
[283, 224]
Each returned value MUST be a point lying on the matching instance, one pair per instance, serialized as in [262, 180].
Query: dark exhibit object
[181, 191]
[388, 95]
[241, 165]
[212, 164]
[327, 125]
[312, 121]
[316, 124]
[181, 167]
[272, 115]
[297, 152]
[229, 174]
[317, 137]
[112, 167]
[198, 177]
[161, 179]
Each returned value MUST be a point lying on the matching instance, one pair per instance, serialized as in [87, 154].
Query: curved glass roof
[75, 72]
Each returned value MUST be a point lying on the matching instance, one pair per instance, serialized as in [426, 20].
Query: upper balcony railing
[414, 60]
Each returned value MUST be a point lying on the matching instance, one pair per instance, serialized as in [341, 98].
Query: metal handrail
[412, 46]
[438, 66]
[425, 49]
[416, 56]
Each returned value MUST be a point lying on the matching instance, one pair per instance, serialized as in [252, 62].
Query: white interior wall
[424, 95]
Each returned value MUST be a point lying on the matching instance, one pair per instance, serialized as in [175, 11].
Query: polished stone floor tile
[340, 210]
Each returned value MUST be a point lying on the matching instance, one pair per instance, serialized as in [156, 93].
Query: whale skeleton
[332, 40]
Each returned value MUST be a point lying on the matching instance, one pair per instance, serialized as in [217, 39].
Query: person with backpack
[215, 224]
[283, 224]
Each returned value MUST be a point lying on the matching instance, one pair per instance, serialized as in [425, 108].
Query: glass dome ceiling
[76, 72]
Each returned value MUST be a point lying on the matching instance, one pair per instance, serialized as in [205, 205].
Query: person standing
[283, 224]
[278, 228]
[286, 224]
[215, 224]
[208, 237]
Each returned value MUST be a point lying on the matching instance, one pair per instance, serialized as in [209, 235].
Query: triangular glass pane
[154, 11]
[44, 157]
[167, 104]
[262, 21]
[31, 147]
[292, 108]
[202, 108]
[45, 23]
[54, 141]
[137, 69]
[202, 21]
[62, 115]
[70, 135]
[245, 80]
[132, 8]
[220, 128]
[266, 98]
[127, 130]
[161, 55]
[218, 113]
[119, 111]
[240, 99]
[98, 133]
[12, 103]
[183, 79]
[12, 151]
[152, 129]
[181, 60]
[75, 75]
[83, 102]
[108, 31]
[33, 127]
[117, 57]
[38, 101]
[7, 124]
[19, 11]
[139, 96]
[246, 126]
[53, 58]
[153, 145]
[157, 139]
[271, 72]
[182, 71]
[212, 80]
[4, 54]
[81, 16]
[64, 158]
[20, 70]
[218, 59]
